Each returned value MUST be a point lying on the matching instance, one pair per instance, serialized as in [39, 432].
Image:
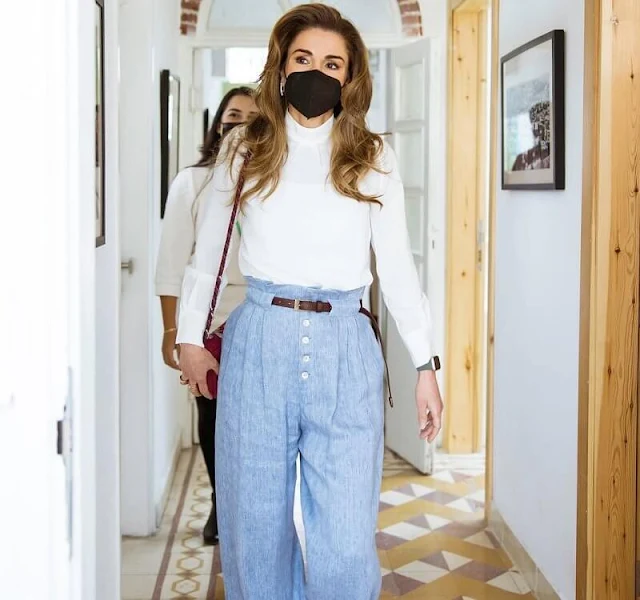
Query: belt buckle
[296, 304]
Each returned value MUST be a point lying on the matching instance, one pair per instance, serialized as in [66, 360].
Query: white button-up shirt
[307, 234]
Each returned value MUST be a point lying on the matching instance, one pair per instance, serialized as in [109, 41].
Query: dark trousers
[207, 434]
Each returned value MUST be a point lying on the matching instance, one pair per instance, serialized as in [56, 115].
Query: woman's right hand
[195, 363]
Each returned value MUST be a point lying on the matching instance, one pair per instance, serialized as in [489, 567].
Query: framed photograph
[99, 125]
[169, 133]
[533, 115]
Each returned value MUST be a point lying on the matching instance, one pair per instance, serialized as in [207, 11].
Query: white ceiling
[369, 16]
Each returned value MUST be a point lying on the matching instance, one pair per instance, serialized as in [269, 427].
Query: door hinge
[64, 448]
[60, 437]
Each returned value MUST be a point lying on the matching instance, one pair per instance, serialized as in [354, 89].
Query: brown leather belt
[325, 307]
[307, 305]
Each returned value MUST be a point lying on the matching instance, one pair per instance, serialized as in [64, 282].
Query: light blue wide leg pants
[310, 384]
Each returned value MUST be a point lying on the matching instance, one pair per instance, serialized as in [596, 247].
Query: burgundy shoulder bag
[213, 340]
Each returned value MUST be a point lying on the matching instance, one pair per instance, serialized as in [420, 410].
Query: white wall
[46, 259]
[149, 31]
[536, 337]
[107, 426]
[80, 106]
[167, 392]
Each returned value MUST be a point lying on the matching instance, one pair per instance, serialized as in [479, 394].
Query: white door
[34, 362]
[410, 70]
[38, 235]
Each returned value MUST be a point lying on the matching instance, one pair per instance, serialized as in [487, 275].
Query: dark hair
[209, 150]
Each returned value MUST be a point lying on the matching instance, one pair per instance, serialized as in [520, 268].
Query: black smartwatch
[432, 365]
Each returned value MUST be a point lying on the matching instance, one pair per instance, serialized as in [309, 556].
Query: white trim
[397, 17]
[204, 13]
[259, 38]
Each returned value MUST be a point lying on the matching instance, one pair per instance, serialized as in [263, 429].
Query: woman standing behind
[301, 371]
[181, 220]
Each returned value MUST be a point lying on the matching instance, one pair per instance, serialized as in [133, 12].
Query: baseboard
[534, 577]
[164, 497]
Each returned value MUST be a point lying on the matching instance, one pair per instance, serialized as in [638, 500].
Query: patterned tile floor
[431, 540]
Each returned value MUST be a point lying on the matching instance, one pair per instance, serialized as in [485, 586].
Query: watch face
[436, 363]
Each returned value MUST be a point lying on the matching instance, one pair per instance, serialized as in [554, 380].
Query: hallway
[431, 539]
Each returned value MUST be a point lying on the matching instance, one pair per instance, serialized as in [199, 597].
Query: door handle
[127, 266]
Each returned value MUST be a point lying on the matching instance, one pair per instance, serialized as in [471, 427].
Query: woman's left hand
[429, 404]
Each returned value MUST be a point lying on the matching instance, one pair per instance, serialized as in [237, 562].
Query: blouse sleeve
[398, 275]
[178, 235]
[200, 275]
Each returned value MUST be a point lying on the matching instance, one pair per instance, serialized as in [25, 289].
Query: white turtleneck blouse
[308, 234]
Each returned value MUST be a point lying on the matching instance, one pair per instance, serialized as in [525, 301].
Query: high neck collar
[308, 135]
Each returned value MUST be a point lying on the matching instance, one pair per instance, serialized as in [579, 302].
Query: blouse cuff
[191, 328]
[419, 346]
[168, 289]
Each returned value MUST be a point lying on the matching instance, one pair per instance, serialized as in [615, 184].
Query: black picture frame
[532, 83]
[100, 224]
[169, 133]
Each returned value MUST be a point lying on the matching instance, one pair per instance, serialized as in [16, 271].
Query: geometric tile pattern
[174, 563]
[431, 540]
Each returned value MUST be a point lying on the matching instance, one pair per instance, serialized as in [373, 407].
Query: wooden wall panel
[465, 373]
[461, 255]
[482, 204]
[608, 419]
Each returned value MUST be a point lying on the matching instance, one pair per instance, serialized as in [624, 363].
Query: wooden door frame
[609, 307]
[491, 250]
[469, 190]
[494, 11]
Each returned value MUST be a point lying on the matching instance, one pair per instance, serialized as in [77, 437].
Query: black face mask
[312, 92]
[227, 127]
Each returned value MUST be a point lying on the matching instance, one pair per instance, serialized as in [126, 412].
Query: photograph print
[533, 115]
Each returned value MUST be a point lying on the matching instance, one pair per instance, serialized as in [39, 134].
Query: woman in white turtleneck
[302, 371]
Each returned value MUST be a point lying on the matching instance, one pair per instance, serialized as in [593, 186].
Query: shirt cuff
[419, 346]
[169, 289]
[191, 327]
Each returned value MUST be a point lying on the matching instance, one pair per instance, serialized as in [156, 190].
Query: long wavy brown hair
[356, 150]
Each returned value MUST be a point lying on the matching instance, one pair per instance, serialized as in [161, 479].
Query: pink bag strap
[227, 244]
